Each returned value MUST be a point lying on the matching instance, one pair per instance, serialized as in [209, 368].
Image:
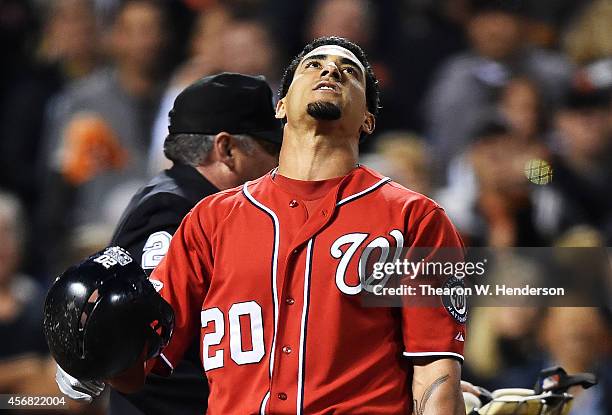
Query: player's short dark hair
[372, 90]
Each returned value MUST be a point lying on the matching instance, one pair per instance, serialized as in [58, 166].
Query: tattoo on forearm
[419, 407]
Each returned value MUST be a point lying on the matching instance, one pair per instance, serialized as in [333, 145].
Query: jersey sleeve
[182, 279]
[435, 327]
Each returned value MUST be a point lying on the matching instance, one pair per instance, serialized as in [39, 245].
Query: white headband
[337, 51]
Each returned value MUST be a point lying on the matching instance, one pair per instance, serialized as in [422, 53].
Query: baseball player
[222, 133]
[267, 274]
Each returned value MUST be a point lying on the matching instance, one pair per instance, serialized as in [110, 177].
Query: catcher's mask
[100, 315]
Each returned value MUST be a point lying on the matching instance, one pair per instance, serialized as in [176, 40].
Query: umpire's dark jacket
[158, 209]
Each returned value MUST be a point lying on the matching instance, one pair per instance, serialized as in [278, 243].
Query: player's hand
[468, 387]
[84, 391]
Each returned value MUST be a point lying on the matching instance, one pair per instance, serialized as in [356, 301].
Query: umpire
[222, 132]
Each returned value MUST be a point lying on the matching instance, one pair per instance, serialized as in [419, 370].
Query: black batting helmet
[100, 314]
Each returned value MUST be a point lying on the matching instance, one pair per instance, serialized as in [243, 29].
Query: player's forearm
[439, 398]
[436, 388]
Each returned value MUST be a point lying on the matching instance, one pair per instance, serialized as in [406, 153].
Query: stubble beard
[325, 111]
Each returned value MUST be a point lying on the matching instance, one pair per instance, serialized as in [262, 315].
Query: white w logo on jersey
[356, 240]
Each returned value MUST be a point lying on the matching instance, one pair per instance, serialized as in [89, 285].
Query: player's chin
[324, 110]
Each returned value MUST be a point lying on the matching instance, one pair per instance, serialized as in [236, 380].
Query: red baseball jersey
[267, 274]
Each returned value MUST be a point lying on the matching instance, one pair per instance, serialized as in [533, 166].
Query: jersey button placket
[285, 373]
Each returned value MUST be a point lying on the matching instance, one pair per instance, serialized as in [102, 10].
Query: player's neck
[308, 156]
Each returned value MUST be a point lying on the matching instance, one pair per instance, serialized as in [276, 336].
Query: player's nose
[330, 69]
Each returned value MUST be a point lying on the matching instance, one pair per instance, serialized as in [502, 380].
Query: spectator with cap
[222, 132]
[470, 82]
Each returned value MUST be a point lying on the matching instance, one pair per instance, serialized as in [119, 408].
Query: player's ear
[369, 123]
[223, 149]
[281, 113]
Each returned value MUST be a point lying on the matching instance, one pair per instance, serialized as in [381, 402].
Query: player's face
[329, 84]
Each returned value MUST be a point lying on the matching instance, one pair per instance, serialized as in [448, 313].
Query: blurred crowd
[499, 110]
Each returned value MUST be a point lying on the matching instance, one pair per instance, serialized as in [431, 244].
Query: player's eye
[350, 70]
[312, 64]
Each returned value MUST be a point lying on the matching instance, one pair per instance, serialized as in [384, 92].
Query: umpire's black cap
[230, 102]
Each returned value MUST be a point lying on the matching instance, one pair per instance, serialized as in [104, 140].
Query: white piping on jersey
[166, 361]
[368, 190]
[427, 354]
[262, 409]
[274, 273]
[302, 351]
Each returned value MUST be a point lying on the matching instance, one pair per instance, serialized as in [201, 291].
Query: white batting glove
[84, 391]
